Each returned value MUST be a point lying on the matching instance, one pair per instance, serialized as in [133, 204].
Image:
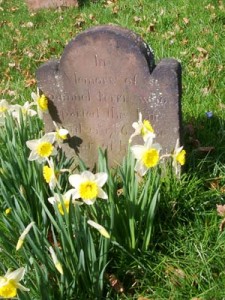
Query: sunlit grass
[186, 258]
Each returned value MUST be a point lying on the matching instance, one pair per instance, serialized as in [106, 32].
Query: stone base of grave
[39, 4]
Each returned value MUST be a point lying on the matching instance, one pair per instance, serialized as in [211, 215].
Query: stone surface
[39, 4]
[105, 77]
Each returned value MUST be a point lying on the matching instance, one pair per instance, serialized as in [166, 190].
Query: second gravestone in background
[105, 77]
[40, 4]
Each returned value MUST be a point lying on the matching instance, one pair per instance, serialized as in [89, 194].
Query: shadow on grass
[194, 197]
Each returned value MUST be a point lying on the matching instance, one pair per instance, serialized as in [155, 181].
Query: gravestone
[105, 77]
[39, 4]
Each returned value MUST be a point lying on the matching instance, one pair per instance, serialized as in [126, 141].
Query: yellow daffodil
[100, 228]
[42, 148]
[179, 156]
[23, 235]
[143, 128]
[61, 134]
[147, 156]
[8, 210]
[9, 283]
[88, 186]
[41, 101]
[66, 198]
[55, 260]
[49, 174]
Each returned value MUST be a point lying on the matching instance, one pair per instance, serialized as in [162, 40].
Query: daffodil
[9, 283]
[42, 148]
[55, 260]
[4, 107]
[65, 199]
[8, 210]
[25, 109]
[60, 134]
[143, 128]
[41, 102]
[88, 186]
[49, 174]
[179, 156]
[147, 156]
[100, 228]
[23, 235]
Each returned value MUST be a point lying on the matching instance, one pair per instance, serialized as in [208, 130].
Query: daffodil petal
[32, 144]
[89, 201]
[22, 288]
[87, 175]
[102, 194]
[75, 180]
[72, 193]
[101, 178]
[16, 275]
[140, 168]
[137, 151]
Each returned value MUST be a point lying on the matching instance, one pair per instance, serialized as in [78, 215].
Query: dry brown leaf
[151, 27]
[202, 50]
[206, 90]
[186, 21]
[30, 82]
[210, 7]
[115, 283]
[119, 192]
[137, 19]
[13, 8]
[220, 210]
[184, 42]
[176, 275]
[222, 225]
[206, 149]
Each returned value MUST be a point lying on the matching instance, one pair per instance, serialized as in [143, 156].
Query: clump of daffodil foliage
[61, 225]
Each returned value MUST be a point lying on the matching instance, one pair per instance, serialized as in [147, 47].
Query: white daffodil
[88, 186]
[60, 134]
[143, 128]
[23, 235]
[66, 198]
[49, 174]
[4, 107]
[55, 260]
[41, 101]
[100, 228]
[9, 283]
[42, 148]
[147, 156]
[179, 156]
[25, 109]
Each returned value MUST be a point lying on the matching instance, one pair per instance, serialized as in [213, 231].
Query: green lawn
[186, 256]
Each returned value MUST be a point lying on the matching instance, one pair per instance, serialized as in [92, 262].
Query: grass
[186, 260]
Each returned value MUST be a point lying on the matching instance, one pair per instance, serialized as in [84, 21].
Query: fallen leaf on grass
[206, 149]
[186, 21]
[222, 225]
[115, 283]
[137, 19]
[176, 275]
[220, 210]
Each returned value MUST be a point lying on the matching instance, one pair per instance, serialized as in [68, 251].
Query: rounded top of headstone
[113, 36]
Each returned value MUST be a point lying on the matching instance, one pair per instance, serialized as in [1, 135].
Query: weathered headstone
[105, 77]
[39, 4]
